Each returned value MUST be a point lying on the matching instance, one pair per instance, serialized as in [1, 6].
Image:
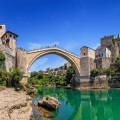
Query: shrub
[2, 60]
[15, 77]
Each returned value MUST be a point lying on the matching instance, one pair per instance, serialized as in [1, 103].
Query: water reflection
[84, 105]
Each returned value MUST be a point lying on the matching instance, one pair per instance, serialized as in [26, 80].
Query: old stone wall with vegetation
[112, 73]
[9, 78]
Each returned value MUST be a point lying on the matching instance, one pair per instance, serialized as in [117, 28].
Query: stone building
[103, 57]
[8, 46]
[58, 71]
[87, 62]
[107, 41]
[115, 49]
[108, 51]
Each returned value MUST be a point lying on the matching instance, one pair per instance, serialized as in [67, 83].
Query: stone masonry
[88, 60]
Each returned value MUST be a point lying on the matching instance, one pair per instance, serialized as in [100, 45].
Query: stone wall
[86, 65]
[99, 82]
[103, 63]
[115, 49]
[21, 59]
[106, 41]
[10, 61]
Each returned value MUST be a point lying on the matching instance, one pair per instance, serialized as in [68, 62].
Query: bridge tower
[87, 63]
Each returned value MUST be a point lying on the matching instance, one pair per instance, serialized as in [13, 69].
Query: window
[14, 37]
[84, 53]
[10, 35]
[7, 43]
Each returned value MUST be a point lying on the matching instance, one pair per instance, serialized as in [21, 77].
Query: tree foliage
[2, 60]
[70, 75]
[2, 57]
[38, 78]
[11, 78]
[15, 75]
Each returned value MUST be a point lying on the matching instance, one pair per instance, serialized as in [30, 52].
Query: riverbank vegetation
[9, 78]
[41, 79]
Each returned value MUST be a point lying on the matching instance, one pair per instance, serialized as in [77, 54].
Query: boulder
[49, 102]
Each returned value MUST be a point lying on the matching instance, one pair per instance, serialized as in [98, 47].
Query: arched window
[7, 42]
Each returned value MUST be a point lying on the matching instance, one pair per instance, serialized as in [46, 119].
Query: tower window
[7, 43]
[14, 37]
[10, 35]
[84, 53]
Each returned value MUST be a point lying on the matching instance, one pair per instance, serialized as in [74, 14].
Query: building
[107, 41]
[60, 71]
[8, 46]
[87, 62]
[115, 50]
[103, 57]
[108, 51]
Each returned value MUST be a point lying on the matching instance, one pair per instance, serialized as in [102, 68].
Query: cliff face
[14, 105]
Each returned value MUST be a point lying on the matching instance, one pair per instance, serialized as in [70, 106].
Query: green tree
[94, 72]
[117, 64]
[70, 75]
[40, 75]
[5, 78]
[2, 60]
[15, 76]
[2, 77]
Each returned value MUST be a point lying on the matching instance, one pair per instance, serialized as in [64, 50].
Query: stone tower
[8, 46]
[8, 39]
[87, 63]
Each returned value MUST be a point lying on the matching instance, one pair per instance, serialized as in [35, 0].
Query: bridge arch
[33, 55]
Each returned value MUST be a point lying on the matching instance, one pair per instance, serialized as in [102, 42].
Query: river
[83, 105]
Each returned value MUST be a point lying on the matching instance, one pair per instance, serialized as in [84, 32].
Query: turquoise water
[84, 105]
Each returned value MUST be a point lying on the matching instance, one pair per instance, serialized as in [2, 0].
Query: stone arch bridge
[26, 59]
[33, 55]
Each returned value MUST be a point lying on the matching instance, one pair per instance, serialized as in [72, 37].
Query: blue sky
[67, 23]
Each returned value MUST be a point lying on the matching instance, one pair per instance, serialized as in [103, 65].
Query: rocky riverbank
[14, 105]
